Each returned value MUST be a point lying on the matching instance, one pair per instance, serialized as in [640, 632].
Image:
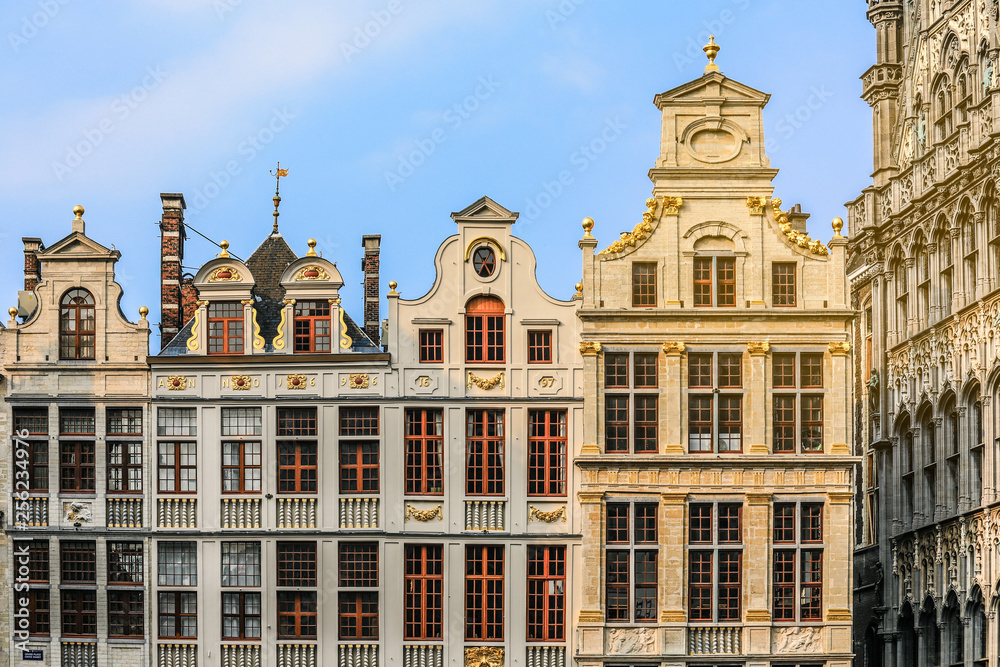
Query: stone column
[757, 395]
[671, 432]
[757, 573]
[590, 619]
[672, 570]
[592, 398]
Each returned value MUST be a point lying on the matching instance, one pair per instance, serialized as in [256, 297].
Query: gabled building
[716, 495]
[75, 428]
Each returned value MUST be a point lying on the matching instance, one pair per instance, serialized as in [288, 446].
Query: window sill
[78, 495]
[126, 640]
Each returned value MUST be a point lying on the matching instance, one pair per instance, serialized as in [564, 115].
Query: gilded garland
[547, 517]
[424, 515]
[485, 384]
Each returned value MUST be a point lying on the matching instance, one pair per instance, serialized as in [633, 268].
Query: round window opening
[484, 262]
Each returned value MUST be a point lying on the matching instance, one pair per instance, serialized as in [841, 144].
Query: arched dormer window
[484, 331]
[946, 284]
[943, 121]
[76, 325]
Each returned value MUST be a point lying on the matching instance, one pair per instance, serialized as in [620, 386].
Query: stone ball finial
[392, 285]
[838, 224]
[143, 311]
[312, 248]
[579, 287]
[78, 211]
[224, 244]
[12, 311]
[588, 224]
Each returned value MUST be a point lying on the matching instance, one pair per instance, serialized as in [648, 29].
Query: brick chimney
[32, 268]
[171, 255]
[189, 298]
[369, 264]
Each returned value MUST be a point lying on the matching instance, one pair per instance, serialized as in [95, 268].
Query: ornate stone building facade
[75, 425]
[716, 491]
[924, 268]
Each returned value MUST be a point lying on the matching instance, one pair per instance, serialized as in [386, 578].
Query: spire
[711, 50]
[276, 198]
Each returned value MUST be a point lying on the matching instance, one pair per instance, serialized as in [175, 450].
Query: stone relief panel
[797, 640]
[631, 640]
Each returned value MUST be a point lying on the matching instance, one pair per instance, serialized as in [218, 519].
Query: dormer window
[312, 326]
[715, 282]
[484, 330]
[76, 325]
[225, 328]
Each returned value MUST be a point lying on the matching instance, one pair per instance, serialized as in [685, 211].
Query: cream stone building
[75, 445]
[716, 491]
[924, 269]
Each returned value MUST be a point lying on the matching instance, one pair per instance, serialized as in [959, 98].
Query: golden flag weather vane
[277, 199]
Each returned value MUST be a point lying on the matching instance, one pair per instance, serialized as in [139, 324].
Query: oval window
[484, 262]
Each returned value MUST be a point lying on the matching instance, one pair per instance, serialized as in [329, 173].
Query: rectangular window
[797, 402]
[297, 615]
[39, 612]
[715, 562]
[241, 472]
[782, 284]
[176, 421]
[424, 452]
[76, 467]
[360, 421]
[125, 614]
[644, 284]
[38, 559]
[546, 593]
[297, 459]
[423, 588]
[79, 562]
[33, 420]
[359, 460]
[79, 613]
[484, 332]
[177, 563]
[177, 467]
[178, 615]
[241, 615]
[124, 421]
[124, 467]
[297, 564]
[225, 328]
[540, 347]
[296, 421]
[431, 346]
[241, 421]
[547, 453]
[241, 563]
[484, 453]
[36, 461]
[631, 402]
[76, 421]
[484, 598]
[798, 562]
[312, 326]
[358, 609]
[125, 563]
[715, 420]
[715, 282]
[631, 576]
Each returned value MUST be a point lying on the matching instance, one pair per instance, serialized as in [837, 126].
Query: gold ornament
[224, 274]
[671, 205]
[484, 383]
[176, 383]
[758, 348]
[358, 381]
[484, 656]
[295, 381]
[240, 382]
[590, 348]
[839, 348]
[756, 205]
[641, 231]
[423, 515]
[801, 240]
[547, 517]
[312, 272]
[674, 347]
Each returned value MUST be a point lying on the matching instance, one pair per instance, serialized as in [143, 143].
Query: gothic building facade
[924, 270]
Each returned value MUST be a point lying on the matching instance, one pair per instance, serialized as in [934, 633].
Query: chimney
[32, 268]
[189, 298]
[369, 264]
[797, 218]
[171, 255]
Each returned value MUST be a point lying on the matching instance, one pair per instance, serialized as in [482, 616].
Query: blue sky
[390, 115]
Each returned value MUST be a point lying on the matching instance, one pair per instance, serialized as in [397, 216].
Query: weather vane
[277, 199]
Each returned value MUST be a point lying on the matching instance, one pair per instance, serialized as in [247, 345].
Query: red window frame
[425, 451]
[715, 282]
[35, 463]
[358, 614]
[125, 563]
[431, 346]
[77, 317]
[715, 562]
[78, 562]
[484, 331]
[359, 466]
[484, 593]
[546, 593]
[423, 587]
[297, 615]
[312, 327]
[176, 607]
[225, 327]
[631, 574]
[297, 466]
[540, 346]
[484, 453]
[547, 453]
[33, 420]
[77, 472]
[297, 564]
[644, 284]
[703, 282]
[797, 571]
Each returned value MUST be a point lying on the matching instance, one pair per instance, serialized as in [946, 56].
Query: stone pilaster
[757, 397]
[672, 399]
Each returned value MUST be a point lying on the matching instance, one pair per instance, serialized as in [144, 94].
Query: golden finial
[12, 311]
[588, 224]
[579, 288]
[838, 224]
[224, 244]
[78, 211]
[392, 288]
[276, 198]
[312, 248]
[143, 311]
[711, 50]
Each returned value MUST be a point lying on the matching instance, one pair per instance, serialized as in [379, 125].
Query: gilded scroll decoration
[295, 381]
[240, 382]
[225, 274]
[801, 240]
[176, 382]
[484, 656]
[641, 230]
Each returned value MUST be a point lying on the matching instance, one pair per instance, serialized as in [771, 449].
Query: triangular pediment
[75, 244]
[711, 86]
[485, 210]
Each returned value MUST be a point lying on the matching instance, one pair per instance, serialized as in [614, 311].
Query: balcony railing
[359, 513]
[712, 640]
[177, 513]
[296, 512]
[124, 512]
[240, 513]
[485, 514]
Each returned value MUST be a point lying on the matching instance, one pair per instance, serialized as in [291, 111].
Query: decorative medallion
[758, 348]
[295, 381]
[671, 205]
[177, 382]
[240, 382]
[590, 349]
[485, 384]
[547, 517]
[483, 656]
[224, 274]
[358, 381]
[423, 515]
[312, 272]
[756, 205]
[674, 347]
[839, 348]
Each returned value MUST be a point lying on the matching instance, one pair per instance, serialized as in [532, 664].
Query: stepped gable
[267, 263]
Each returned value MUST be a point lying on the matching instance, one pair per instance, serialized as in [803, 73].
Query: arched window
[923, 285]
[76, 325]
[908, 636]
[945, 265]
[992, 233]
[928, 441]
[975, 416]
[977, 612]
[484, 330]
[969, 253]
[902, 297]
[963, 93]
[930, 634]
[955, 632]
[907, 466]
[942, 110]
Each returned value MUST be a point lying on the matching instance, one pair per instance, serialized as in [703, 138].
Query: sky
[390, 115]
